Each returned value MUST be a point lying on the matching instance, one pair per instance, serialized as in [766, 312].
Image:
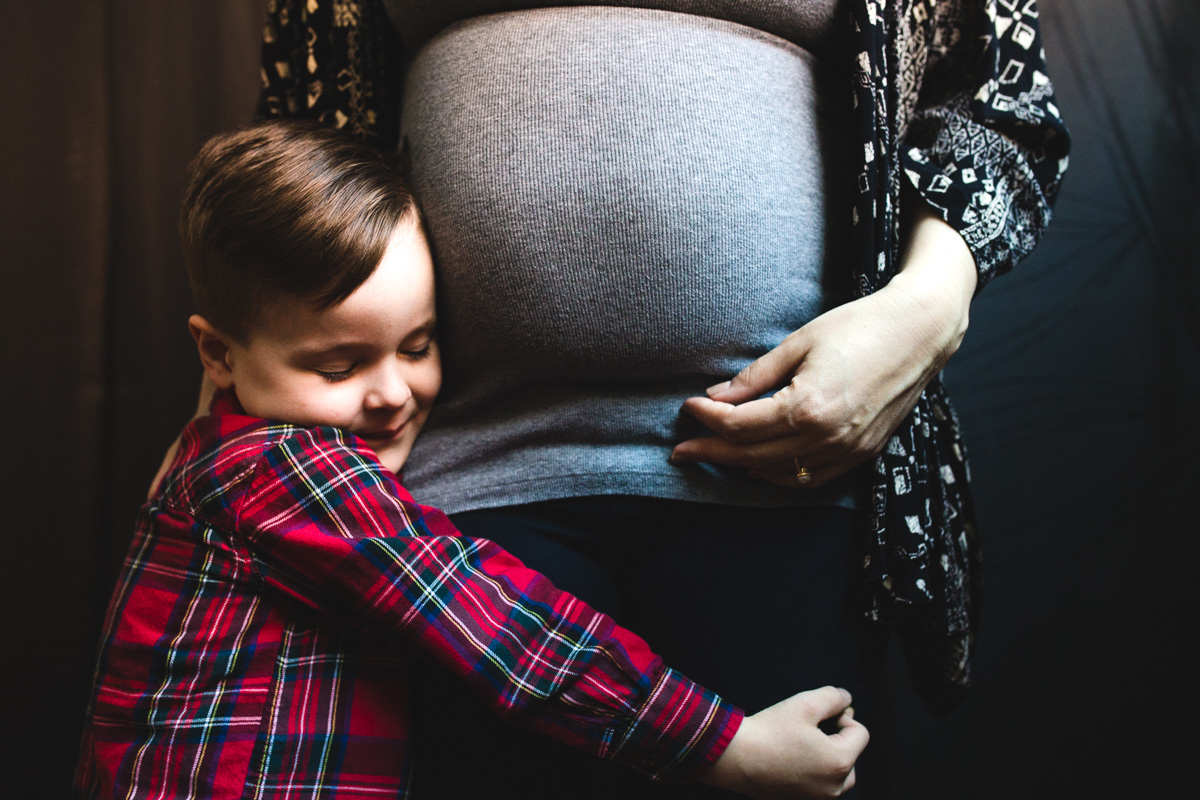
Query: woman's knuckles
[827, 413]
[731, 428]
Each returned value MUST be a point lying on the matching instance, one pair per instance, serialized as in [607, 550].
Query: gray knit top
[626, 205]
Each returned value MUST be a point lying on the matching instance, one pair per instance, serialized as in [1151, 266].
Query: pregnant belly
[620, 193]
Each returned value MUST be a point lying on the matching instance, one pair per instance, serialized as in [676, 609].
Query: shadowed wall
[1079, 386]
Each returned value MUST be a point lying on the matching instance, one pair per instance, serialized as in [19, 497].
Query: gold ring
[802, 473]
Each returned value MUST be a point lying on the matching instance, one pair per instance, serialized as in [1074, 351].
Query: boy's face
[368, 364]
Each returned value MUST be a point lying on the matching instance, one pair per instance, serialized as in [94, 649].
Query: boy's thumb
[826, 702]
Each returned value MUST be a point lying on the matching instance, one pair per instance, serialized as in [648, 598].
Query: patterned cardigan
[952, 102]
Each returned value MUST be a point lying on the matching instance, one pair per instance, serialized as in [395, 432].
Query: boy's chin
[393, 459]
[393, 464]
[393, 453]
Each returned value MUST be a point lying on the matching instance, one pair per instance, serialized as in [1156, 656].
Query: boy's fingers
[853, 736]
[826, 702]
[848, 784]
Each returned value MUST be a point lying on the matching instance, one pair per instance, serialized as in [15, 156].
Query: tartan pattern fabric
[278, 584]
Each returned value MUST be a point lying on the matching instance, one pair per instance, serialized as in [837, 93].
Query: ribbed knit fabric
[626, 206]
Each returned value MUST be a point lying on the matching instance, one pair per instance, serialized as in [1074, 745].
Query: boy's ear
[214, 350]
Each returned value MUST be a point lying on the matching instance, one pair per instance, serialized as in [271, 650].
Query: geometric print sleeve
[952, 101]
[325, 524]
[981, 138]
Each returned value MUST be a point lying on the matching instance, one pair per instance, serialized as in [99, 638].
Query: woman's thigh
[756, 604]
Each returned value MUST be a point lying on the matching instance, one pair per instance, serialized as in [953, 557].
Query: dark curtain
[1078, 386]
[106, 101]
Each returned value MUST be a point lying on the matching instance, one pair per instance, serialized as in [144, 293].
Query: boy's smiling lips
[383, 435]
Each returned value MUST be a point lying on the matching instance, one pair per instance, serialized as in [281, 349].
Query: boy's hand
[168, 459]
[207, 390]
[781, 753]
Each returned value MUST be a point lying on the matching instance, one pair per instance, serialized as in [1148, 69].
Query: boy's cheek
[297, 402]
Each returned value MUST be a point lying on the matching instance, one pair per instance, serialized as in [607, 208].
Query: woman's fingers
[753, 421]
[766, 373]
[770, 455]
[776, 436]
[773, 460]
[807, 477]
[845, 381]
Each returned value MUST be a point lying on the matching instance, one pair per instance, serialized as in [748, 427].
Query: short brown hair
[285, 206]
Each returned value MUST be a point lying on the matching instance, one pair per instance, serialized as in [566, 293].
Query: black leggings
[755, 604]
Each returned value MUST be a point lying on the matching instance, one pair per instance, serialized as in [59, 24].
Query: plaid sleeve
[326, 523]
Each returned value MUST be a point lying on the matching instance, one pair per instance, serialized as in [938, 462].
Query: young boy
[281, 580]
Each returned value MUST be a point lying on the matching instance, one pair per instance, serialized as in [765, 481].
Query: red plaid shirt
[258, 641]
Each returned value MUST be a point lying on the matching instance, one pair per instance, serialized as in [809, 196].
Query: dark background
[1078, 386]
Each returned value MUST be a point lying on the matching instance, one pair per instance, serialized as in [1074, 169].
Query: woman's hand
[781, 753]
[848, 378]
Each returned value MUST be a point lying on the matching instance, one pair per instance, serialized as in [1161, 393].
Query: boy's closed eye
[337, 375]
[342, 370]
[418, 353]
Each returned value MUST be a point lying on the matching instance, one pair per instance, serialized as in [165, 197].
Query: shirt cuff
[681, 729]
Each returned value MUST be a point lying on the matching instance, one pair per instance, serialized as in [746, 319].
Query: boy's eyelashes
[422, 352]
[336, 375]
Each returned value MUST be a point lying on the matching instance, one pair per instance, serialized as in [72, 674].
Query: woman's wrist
[936, 281]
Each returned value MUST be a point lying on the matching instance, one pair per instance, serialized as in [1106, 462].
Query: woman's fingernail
[717, 389]
[678, 458]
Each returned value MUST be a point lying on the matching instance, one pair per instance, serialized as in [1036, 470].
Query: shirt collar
[225, 402]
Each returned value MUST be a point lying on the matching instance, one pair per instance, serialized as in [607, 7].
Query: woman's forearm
[938, 276]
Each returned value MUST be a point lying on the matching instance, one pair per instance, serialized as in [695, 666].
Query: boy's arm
[330, 526]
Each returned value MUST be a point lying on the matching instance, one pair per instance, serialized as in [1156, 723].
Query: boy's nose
[390, 390]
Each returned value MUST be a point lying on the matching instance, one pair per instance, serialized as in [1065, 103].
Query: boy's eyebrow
[327, 350]
[424, 328]
[350, 346]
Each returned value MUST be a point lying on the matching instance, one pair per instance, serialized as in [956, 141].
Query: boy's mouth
[384, 435]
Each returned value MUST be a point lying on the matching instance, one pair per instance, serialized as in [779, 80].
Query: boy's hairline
[268, 296]
[293, 165]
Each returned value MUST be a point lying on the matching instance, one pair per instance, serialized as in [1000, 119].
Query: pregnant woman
[700, 263]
